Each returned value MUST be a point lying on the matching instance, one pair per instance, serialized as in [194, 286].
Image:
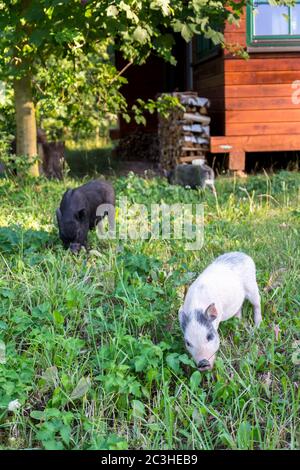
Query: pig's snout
[203, 365]
[75, 247]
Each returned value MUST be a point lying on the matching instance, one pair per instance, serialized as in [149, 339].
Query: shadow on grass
[89, 162]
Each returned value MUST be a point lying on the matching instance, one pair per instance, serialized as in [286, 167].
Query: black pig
[77, 212]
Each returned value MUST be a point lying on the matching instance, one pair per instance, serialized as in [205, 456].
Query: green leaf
[53, 445]
[3, 325]
[65, 433]
[138, 409]
[227, 440]
[58, 317]
[140, 363]
[185, 359]
[81, 388]
[163, 5]
[51, 376]
[49, 12]
[27, 49]
[37, 414]
[244, 436]
[173, 362]
[186, 33]
[140, 35]
[112, 11]
[129, 12]
[195, 380]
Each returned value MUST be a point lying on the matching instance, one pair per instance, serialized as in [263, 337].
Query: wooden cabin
[254, 102]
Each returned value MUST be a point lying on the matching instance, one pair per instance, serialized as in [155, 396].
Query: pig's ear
[211, 312]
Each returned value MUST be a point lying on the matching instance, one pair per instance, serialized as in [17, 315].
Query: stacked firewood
[184, 135]
[138, 146]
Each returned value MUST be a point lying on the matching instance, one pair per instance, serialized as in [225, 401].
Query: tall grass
[94, 353]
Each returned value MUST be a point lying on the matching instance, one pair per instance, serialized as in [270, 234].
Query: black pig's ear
[211, 312]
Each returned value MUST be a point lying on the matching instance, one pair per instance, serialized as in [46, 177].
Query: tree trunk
[26, 122]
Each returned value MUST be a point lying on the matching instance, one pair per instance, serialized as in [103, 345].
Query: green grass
[87, 161]
[94, 352]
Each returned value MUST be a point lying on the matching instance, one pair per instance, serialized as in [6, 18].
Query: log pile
[138, 146]
[184, 135]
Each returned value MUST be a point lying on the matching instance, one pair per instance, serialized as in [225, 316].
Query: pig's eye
[210, 337]
[80, 215]
[188, 344]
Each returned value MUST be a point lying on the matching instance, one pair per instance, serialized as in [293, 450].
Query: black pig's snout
[204, 364]
[75, 247]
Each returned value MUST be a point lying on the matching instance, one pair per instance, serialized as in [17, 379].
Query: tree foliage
[78, 94]
[63, 46]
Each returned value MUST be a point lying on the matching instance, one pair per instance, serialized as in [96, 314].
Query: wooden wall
[209, 81]
[258, 91]
[251, 100]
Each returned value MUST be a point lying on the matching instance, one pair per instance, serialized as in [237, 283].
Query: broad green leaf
[140, 363]
[51, 376]
[53, 445]
[195, 380]
[37, 414]
[65, 433]
[138, 409]
[81, 388]
[130, 14]
[140, 35]
[58, 317]
[186, 33]
[173, 362]
[163, 5]
[185, 359]
[112, 11]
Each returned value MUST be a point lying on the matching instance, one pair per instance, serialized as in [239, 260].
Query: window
[269, 25]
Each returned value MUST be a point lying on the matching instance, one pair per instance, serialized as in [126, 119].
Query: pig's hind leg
[239, 314]
[252, 294]
[251, 288]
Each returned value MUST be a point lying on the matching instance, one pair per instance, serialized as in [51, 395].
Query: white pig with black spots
[215, 296]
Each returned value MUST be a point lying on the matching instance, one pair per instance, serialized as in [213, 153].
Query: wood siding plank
[282, 116]
[261, 103]
[252, 90]
[261, 78]
[273, 128]
[256, 143]
[255, 64]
